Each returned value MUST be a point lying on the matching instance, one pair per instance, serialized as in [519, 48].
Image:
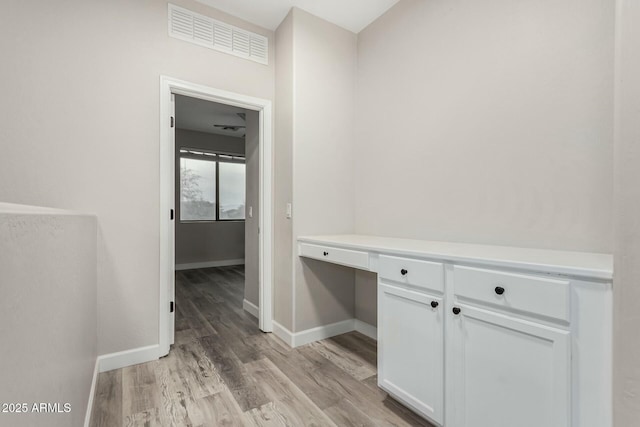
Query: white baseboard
[283, 333]
[296, 339]
[108, 362]
[121, 359]
[250, 308]
[209, 264]
[366, 329]
[92, 393]
[322, 332]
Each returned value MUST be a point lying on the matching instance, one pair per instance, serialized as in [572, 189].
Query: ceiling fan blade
[230, 127]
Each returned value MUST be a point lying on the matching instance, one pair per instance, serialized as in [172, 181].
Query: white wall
[627, 218]
[79, 129]
[315, 86]
[283, 176]
[324, 63]
[48, 318]
[487, 122]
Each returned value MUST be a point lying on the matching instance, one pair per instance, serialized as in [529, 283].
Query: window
[212, 186]
[197, 190]
[232, 182]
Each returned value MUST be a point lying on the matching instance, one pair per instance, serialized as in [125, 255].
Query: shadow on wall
[325, 296]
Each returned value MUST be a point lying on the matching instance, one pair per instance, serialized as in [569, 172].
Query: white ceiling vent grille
[204, 31]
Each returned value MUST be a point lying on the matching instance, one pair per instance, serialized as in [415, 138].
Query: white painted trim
[170, 317]
[122, 359]
[283, 333]
[167, 202]
[209, 264]
[366, 329]
[322, 332]
[266, 226]
[251, 308]
[92, 393]
[297, 339]
[169, 87]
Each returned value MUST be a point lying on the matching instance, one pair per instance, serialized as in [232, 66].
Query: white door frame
[169, 87]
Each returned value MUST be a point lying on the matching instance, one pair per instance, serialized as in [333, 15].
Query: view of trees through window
[232, 190]
[207, 194]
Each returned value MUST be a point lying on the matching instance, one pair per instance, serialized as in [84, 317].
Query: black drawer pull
[325, 253]
[456, 310]
[403, 272]
[434, 304]
[499, 290]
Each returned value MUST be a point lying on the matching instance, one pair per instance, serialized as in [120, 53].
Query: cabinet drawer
[422, 274]
[537, 295]
[348, 257]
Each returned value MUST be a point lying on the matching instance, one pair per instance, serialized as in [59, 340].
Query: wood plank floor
[223, 371]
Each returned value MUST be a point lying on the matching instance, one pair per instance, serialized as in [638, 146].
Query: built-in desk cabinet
[411, 333]
[509, 370]
[411, 348]
[467, 345]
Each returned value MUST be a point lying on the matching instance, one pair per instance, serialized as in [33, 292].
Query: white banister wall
[48, 321]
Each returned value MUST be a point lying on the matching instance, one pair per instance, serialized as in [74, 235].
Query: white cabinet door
[411, 349]
[507, 372]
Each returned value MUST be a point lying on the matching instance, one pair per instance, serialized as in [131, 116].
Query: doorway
[213, 202]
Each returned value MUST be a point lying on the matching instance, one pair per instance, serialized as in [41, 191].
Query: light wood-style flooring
[223, 371]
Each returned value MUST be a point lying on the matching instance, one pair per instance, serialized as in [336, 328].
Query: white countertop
[580, 264]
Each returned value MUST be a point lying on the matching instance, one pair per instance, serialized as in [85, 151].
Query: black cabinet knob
[403, 272]
[456, 310]
[499, 290]
[325, 253]
[434, 304]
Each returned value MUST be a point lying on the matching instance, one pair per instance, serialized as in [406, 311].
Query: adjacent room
[216, 216]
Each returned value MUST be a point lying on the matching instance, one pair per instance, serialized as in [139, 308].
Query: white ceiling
[354, 15]
[199, 115]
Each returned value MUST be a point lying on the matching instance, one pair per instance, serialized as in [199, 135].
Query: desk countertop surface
[580, 264]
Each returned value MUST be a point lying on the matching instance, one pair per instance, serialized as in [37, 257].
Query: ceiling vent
[204, 31]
